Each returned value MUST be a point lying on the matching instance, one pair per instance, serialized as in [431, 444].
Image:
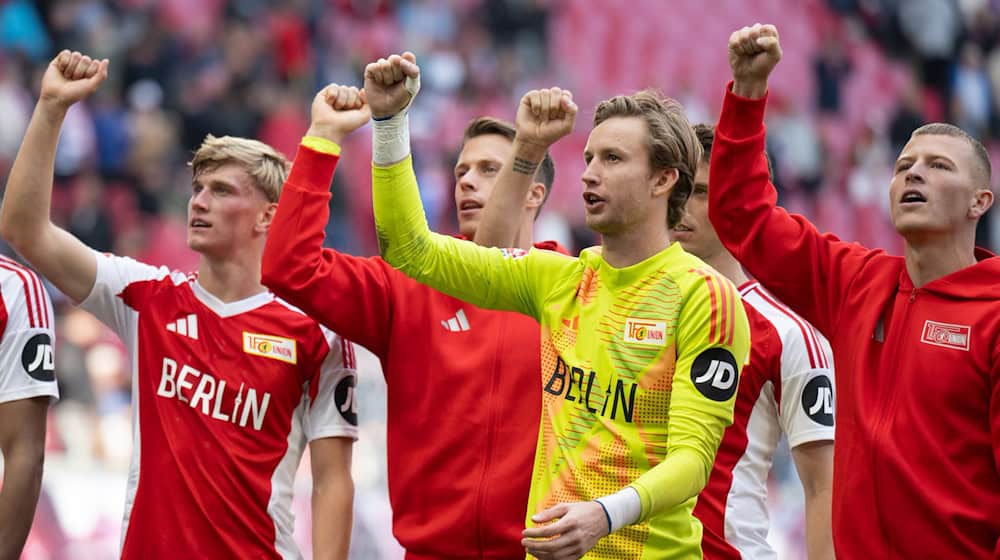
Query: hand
[580, 525]
[753, 54]
[338, 111]
[71, 77]
[385, 84]
[544, 116]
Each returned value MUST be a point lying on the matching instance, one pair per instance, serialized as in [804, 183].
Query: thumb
[409, 65]
[767, 43]
[554, 512]
[100, 75]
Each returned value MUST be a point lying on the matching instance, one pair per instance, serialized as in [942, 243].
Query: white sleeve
[807, 388]
[114, 274]
[333, 406]
[27, 366]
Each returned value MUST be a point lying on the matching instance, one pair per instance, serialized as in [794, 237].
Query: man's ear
[665, 179]
[536, 196]
[982, 202]
[266, 216]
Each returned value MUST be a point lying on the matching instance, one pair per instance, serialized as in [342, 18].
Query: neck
[231, 279]
[635, 245]
[526, 234]
[928, 259]
[726, 264]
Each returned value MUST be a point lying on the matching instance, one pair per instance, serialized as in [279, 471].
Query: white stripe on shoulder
[793, 329]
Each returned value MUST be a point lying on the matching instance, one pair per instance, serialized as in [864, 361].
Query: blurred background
[857, 77]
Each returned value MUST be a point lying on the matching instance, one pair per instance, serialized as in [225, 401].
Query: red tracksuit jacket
[917, 458]
[463, 393]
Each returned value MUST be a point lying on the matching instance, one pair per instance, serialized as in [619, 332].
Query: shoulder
[799, 339]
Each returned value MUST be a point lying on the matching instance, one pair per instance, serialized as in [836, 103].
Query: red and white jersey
[225, 397]
[27, 367]
[785, 389]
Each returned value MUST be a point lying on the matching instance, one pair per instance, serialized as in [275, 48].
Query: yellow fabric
[321, 145]
[621, 352]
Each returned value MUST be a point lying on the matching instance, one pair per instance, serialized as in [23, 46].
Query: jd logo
[714, 374]
[817, 400]
[346, 400]
[36, 357]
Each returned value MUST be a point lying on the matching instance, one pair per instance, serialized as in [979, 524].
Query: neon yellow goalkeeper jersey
[639, 365]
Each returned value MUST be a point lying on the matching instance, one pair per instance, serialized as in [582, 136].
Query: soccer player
[641, 342]
[27, 386]
[786, 390]
[229, 383]
[463, 394]
[914, 337]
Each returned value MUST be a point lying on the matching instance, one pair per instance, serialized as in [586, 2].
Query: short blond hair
[672, 142]
[265, 165]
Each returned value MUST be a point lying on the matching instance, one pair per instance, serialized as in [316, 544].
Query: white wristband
[623, 507]
[391, 140]
[391, 136]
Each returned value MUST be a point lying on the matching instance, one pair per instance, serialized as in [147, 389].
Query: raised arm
[24, 217]
[490, 278]
[543, 117]
[807, 270]
[350, 295]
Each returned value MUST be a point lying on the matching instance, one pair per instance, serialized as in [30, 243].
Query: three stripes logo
[458, 323]
[185, 326]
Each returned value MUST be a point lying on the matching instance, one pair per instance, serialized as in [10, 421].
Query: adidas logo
[458, 323]
[185, 326]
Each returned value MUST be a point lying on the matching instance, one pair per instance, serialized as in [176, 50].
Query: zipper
[887, 408]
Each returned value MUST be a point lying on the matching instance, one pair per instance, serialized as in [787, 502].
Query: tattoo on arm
[524, 166]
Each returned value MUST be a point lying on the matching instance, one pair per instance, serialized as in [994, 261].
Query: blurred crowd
[858, 76]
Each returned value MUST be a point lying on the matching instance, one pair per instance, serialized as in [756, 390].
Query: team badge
[650, 333]
[947, 335]
[269, 346]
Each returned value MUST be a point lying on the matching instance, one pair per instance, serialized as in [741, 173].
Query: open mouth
[682, 228]
[470, 205]
[199, 223]
[912, 197]
[592, 200]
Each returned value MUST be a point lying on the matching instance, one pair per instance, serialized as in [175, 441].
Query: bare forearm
[28, 198]
[22, 481]
[819, 532]
[750, 89]
[333, 515]
[502, 216]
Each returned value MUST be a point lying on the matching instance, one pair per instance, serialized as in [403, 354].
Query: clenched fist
[391, 83]
[753, 54]
[71, 77]
[544, 116]
[338, 111]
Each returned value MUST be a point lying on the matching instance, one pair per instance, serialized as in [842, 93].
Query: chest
[918, 351]
[242, 370]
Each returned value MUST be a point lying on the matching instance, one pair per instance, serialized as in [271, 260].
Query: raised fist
[71, 77]
[391, 83]
[753, 54]
[545, 115]
[338, 111]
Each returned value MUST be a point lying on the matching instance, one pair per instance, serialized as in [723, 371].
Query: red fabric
[463, 407]
[764, 365]
[918, 424]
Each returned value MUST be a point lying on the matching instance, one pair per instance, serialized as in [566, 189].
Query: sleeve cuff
[312, 169]
[393, 170]
[741, 117]
[321, 145]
